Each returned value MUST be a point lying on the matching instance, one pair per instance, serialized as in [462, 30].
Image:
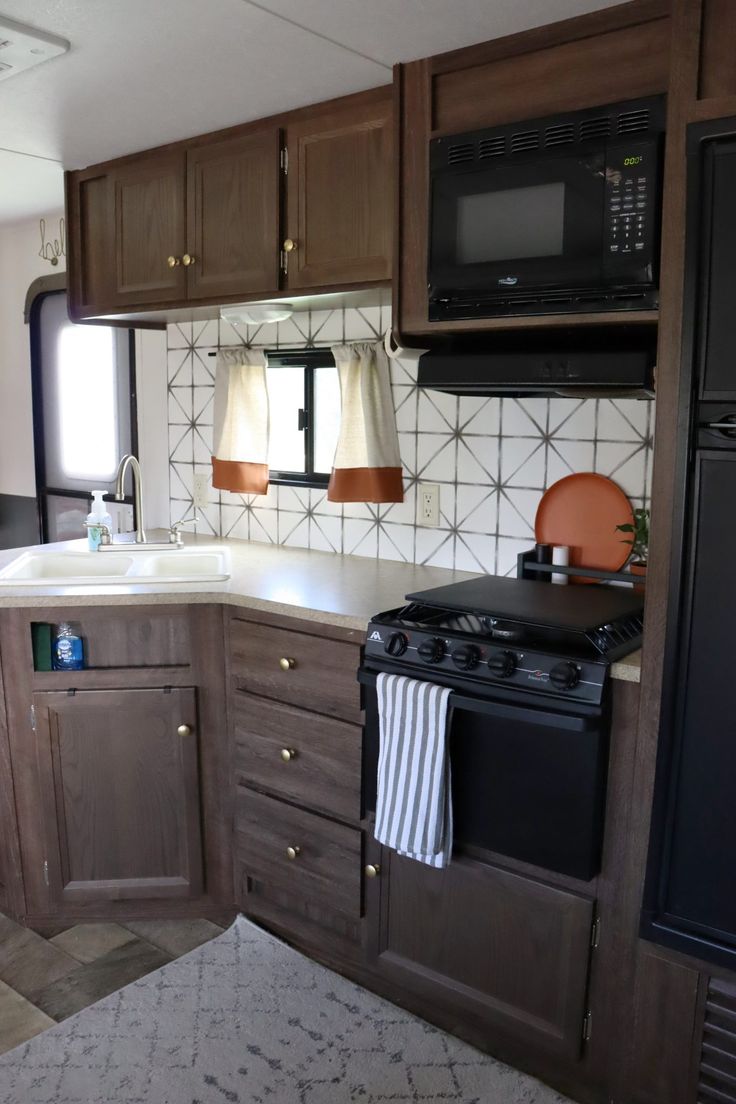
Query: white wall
[20, 265]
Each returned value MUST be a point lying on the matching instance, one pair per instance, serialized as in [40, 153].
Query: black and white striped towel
[414, 803]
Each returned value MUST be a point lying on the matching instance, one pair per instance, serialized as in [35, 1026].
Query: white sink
[177, 565]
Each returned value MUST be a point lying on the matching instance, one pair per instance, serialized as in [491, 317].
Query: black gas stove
[528, 665]
[493, 631]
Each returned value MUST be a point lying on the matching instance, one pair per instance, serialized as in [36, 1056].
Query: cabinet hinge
[595, 933]
[33, 718]
[46, 873]
[587, 1026]
[284, 160]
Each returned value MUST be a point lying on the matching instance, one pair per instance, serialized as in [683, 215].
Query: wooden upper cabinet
[233, 216]
[339, 195]
[150, 230]
[119, 782]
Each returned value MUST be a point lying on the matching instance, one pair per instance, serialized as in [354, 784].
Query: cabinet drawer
[306, 758]
[322, 674]
[327, 864]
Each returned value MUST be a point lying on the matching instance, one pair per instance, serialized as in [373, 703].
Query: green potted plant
[639, 541]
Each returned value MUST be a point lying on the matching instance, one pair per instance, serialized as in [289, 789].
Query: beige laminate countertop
[295, 582]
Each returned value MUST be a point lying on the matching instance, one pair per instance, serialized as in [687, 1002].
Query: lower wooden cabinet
[491, 947]
[119, 780]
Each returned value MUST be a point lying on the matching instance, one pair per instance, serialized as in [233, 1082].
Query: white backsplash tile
[492, 458]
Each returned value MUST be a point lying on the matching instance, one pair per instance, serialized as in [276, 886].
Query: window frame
[309, 359]
[43, 490]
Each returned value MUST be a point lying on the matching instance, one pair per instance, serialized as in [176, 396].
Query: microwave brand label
[508, 281]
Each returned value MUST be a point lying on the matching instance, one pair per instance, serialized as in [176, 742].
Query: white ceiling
[143, 72]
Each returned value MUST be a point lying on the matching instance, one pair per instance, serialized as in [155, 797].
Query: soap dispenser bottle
[68, 651]
[96, 518]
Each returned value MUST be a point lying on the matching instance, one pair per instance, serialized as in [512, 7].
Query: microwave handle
[503, 711]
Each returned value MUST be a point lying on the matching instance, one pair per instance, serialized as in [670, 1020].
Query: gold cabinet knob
[173, 262]
[293, 852]
[188, 260]
[184, 730]
[287, 664]
[289, 245]
[287, 754]
[372, 870]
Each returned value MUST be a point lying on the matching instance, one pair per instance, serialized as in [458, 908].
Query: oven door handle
[548, 717]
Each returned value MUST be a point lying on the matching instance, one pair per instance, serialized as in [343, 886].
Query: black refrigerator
[690, 894]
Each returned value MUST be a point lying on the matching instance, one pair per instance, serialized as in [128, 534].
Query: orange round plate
[582, 511]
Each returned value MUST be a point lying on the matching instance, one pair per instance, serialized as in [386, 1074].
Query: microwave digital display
[511, 224]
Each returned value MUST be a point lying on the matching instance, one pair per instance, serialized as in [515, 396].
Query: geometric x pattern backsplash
[492, 458]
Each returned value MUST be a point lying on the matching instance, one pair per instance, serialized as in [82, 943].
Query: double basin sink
[80, 568]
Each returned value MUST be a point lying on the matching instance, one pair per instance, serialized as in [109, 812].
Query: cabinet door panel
[91, 246]
[495, 947]
[340, 197]
[718, 377]
[120, 788]
[233, 216]
[149, 198]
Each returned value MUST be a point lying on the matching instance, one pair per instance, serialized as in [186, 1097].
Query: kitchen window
[304, 401]
[84, 413]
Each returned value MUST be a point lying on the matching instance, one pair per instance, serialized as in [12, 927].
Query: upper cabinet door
[150, 231]
[339, 196]
[233, 216]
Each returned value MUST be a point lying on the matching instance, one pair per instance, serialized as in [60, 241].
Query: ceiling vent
[22, 47]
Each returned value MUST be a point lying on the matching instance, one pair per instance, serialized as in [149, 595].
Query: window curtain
[367, 465]
[240, 460]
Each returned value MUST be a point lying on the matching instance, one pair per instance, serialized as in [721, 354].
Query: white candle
[561, 556]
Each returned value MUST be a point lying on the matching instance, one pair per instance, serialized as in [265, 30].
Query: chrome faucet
[130, 461]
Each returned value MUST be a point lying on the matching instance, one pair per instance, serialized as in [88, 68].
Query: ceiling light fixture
[256, 314]
[22, 47]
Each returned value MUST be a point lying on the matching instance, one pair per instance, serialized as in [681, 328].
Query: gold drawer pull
[184, 730]
[293, 852]
[287, 664]
[372, 870]
[188, 260]
[287, 754]
[173, 262]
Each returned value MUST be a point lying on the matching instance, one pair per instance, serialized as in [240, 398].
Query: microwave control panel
[632, 199]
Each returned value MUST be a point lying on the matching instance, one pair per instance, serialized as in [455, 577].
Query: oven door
[528, 780]
[536, 224]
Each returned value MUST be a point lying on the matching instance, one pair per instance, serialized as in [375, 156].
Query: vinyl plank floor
[92, 981]
[19, 1019]
[28, 961]
[88, 942]
[175, 937]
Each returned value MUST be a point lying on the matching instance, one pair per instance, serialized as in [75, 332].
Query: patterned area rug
[247, 1020]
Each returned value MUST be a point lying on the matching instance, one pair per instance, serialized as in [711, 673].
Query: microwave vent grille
[461, 152]
[492, 147]
[598, 127]
[630, 121]
[524, 140]
[559, 135]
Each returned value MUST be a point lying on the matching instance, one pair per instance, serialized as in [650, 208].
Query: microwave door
[536, 224]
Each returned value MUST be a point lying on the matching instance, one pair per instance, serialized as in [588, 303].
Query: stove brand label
[375, 636]
[538, 676]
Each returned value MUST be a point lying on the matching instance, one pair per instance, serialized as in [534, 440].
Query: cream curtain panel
[240, 460]
[367, 466]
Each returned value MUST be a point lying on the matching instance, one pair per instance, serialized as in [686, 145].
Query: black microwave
[548, 216]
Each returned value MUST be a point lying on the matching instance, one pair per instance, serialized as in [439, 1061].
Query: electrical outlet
[429, 505]
[201, 489]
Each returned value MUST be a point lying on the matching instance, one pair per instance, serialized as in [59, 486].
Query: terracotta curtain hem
[239, 476]
[366, 485]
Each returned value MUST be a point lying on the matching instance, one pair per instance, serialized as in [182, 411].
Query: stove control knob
[396, 644]
[466, 657]
[502, 664]
[432, 649]
[565, 676]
